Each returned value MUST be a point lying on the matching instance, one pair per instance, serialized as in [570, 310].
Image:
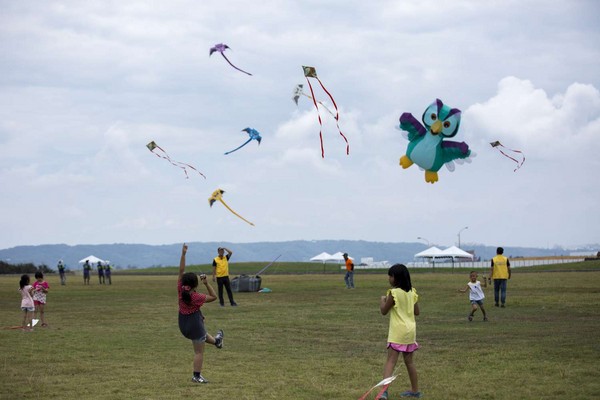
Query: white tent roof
[324, 256]
[456, 252]
[92, 259]
[339, 256]
[432, 252]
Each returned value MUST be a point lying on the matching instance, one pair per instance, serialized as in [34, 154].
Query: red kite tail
[319, 115]
[337, 116]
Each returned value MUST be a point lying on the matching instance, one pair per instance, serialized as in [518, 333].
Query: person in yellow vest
[221, 274]
[500, 273]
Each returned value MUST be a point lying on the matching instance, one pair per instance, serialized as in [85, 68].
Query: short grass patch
[309, 339]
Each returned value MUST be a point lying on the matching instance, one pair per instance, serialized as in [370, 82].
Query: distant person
[61, 271]
[221, 272]
[476, 294]
[500, 273]
[100, 268]
[349, 278]
[108, 272]
[27, 305]
[40, 290]
[191, 320]
[86, 272]
[401, 302]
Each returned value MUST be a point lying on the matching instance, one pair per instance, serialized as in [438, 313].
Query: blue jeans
[349, 279]
[500, 290]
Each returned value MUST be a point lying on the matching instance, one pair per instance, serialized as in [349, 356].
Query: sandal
[45, 324]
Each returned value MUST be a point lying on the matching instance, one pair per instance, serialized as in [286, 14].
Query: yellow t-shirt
[403, 328]
[500, 270]
[222, 265]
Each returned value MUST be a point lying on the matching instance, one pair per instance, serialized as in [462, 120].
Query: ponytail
[24, 281]
[189, 281]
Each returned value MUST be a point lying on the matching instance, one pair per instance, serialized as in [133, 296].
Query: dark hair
[188, 279]
[39, 274]
[499, 250]
[24, 281]
[401, 277]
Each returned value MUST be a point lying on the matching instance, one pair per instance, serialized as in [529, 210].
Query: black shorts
[192, 326]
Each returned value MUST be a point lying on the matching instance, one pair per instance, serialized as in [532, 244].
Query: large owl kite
[427, 147]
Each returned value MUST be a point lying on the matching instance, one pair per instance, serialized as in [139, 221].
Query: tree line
[27, 268]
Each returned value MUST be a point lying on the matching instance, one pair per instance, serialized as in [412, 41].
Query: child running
[26, 303]
[40, 290]
[401, 302]
[191, 320]
[476, 295]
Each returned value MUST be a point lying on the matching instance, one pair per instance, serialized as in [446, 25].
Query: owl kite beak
[436, 128]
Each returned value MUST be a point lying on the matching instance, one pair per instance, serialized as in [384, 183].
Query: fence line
[514, 263]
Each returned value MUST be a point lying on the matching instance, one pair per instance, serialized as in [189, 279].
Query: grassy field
[309, 339]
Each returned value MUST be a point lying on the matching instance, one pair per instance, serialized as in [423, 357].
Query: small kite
[298, 91]
[311, 72]
[254, 135]
[217, 195]
[221, 47]
[385, 383]
[152, 145]
[497, 144]
[427, 147]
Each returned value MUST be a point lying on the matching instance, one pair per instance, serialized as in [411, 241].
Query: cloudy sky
[84, 86]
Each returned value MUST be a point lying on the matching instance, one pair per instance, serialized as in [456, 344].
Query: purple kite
[221, 47]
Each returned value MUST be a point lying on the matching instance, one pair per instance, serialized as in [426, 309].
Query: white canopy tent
[432, 252]
[455, 252]
[323, 257]
[93, 260]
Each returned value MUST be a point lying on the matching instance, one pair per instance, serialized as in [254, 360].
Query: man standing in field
[349, 278]
[221, 273]
[500, 273]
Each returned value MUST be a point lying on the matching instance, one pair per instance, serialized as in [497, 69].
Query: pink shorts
[37, 302]
[403, 348]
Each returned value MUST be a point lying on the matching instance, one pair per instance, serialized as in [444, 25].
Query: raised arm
[182, 260]
[229, 252]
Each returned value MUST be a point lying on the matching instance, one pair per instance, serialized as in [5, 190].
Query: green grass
[309, 339]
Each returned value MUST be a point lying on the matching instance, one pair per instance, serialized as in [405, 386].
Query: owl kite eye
[433, 116]
[446, 124]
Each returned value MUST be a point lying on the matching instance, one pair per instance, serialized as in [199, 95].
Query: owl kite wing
[411, 125]
[452, 150]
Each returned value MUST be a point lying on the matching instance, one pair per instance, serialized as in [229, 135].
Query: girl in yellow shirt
[401, 303]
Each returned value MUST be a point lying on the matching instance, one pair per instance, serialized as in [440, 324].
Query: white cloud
[521, 116]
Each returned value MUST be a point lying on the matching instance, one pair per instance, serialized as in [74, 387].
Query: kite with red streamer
[311, 72]
[497, 145]
[152, 146]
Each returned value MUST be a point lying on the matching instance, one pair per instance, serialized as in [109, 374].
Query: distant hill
[142, 255]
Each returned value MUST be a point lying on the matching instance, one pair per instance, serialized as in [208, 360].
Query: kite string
[319, 115]
[337, 115]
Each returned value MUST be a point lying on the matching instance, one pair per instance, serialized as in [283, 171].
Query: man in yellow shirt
[221, 274]
[500, 273]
